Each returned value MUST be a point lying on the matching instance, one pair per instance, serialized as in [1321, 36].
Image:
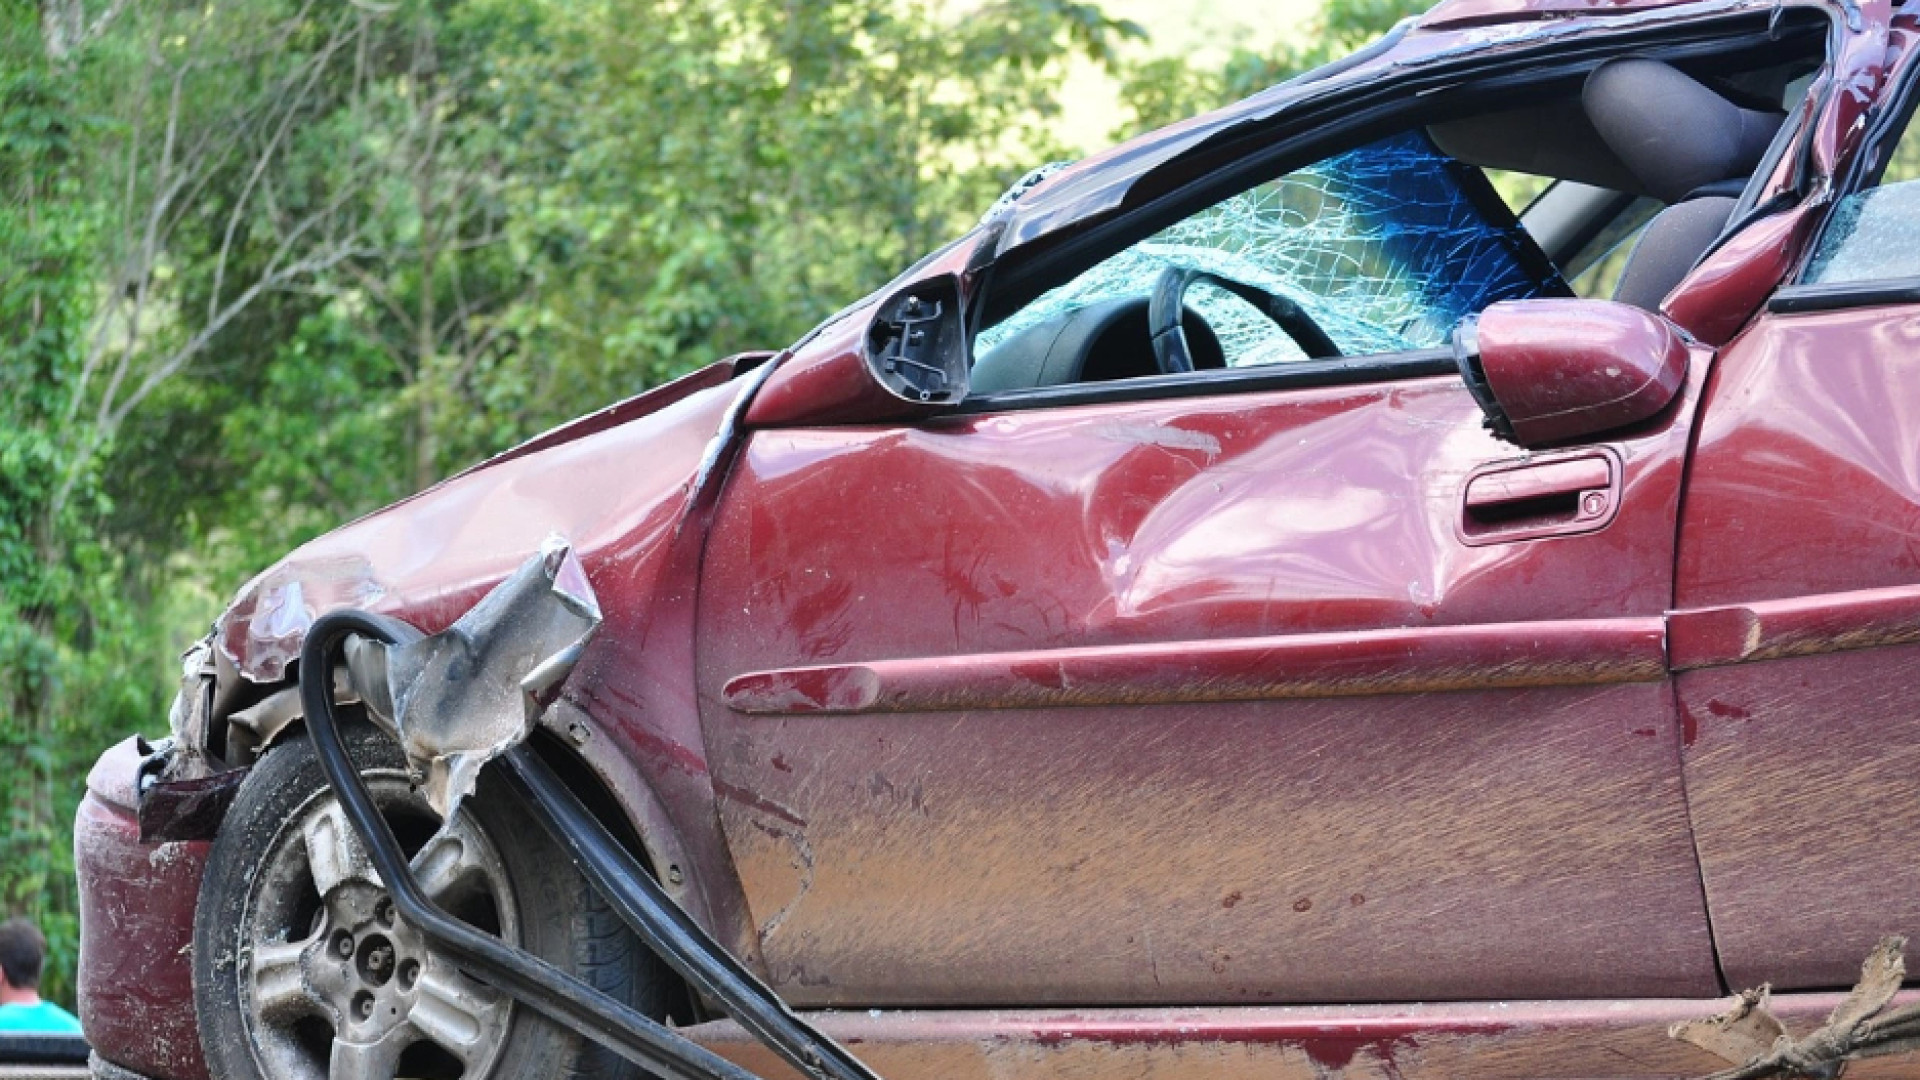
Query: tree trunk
[426, 327]
[62, 22]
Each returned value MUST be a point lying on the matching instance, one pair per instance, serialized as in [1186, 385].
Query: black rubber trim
[43, 1048]
[1839, 295]
[1295, 375]
[528, 979]
[667, 929]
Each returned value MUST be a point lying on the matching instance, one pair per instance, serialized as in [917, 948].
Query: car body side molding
[1797, 626]
[1399, 661]
[1405, 661]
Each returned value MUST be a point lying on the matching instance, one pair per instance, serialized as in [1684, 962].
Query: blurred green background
[268, 264]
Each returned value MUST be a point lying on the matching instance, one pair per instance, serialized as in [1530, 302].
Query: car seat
[1689, 147]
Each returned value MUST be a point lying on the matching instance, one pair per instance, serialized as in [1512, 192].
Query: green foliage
[266, 265]
[743, 169]
[67, 633]
[1160, 90]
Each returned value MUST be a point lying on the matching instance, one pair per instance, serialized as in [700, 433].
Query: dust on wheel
[303, 970]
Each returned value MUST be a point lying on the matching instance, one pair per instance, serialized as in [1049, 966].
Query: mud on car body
[1260, 603]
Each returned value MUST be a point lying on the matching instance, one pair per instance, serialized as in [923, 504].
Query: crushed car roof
[1101, 183]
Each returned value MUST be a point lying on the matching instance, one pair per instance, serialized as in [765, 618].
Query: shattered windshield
[1386, 247]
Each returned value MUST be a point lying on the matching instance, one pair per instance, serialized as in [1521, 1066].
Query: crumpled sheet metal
[461, 697]
[1761, 1048]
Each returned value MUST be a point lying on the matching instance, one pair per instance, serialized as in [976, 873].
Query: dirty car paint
[1269, 847]
[1518, 1040]
[1797, 568]
[623, 498]
[136, 914]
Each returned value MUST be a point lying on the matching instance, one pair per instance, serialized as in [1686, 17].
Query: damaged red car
[1411, 575]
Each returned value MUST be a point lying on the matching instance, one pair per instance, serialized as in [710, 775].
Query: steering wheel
[1168, 303]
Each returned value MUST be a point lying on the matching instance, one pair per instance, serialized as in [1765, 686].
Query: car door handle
[1529, 500]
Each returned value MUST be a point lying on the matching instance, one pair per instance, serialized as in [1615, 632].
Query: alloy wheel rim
[333, 983]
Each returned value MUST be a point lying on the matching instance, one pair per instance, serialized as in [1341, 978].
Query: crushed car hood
[613, 482]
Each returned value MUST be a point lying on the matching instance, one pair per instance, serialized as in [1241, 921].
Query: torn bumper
[136, 916]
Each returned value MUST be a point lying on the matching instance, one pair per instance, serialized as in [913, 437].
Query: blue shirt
[43, 1017]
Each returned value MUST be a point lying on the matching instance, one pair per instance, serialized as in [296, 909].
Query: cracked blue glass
[1385, 246]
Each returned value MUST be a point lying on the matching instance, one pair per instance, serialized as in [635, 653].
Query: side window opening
[1380, 250]
[1518, 190]
[1903, 164]
[1594, 271]
[1384, 247]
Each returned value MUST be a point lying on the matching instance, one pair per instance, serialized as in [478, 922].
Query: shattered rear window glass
[1874, 235]
[1385, 246]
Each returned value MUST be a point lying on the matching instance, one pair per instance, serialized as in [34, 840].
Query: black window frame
[1294, 375]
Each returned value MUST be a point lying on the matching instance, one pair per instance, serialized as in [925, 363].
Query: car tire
[302, 970]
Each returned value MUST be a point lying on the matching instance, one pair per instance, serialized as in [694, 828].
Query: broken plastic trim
[1466, 354]
[528, 979]
[917, 342]
[614, 873]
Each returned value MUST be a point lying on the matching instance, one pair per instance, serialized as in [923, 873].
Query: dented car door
[1220, 691]
[1220, 683]
[1798, 586]
[1242, 672]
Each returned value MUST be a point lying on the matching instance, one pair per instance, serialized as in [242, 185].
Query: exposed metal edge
[1399, 661]
[1800, 626]
[646, 402]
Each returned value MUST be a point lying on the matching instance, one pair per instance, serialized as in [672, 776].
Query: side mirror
[917, 342]
[903, 355]
[1552, 371]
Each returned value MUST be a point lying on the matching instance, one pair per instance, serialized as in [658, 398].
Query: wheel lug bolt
[409, 973]
[343, 943]
[363, 1006]
[383, 911]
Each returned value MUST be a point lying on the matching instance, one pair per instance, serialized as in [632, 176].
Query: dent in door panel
[1488, 843]
[1801, 542]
